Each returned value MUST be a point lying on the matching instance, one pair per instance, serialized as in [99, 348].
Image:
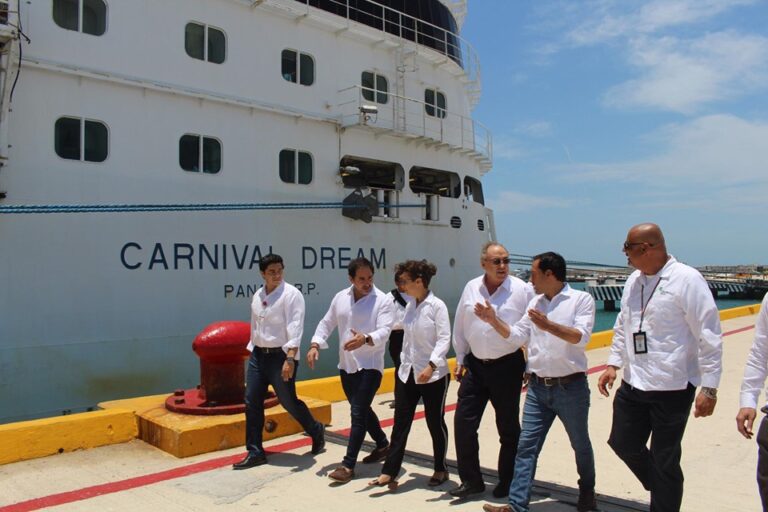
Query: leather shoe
[376, 455]
[587, 500]
[250, 460]
[440, 477]
[501, 490]
[467, 489]
[342, 474]
[318, 441]
[497, 508]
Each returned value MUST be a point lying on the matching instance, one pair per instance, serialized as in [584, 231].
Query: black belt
[557, 381]
[269, 350]
[492, 361]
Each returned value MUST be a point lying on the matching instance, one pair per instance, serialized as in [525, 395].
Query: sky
[609, 113]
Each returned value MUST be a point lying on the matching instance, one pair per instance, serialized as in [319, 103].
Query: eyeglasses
[498, 261]
[628, 245]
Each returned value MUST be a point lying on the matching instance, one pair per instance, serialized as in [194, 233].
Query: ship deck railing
[409, 117]
[448, 48]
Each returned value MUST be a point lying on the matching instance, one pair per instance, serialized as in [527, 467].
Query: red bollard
[222, 350]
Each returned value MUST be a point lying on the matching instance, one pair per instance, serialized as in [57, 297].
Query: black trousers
[406, 399]
[762, 462]
[396, 347]
[662, 417]
[263, 370]
[499, 381]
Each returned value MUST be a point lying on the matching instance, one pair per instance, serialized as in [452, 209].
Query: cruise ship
[153, 150]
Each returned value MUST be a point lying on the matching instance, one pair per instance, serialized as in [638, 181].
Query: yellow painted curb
[728, 314]
[39, 438]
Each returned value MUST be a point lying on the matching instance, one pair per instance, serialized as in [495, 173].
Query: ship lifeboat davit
[222, 349]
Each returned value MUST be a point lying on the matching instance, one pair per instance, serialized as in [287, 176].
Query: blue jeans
[360, 388]
[263, 370]
[570, 403]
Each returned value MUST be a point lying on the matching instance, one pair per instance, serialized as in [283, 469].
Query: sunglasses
[498, 261]
[628, 245]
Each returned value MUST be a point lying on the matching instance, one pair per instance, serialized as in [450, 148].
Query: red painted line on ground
[200, 467]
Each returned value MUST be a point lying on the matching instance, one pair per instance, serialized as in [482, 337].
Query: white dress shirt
[398, 311]
[682, 328]
[370, 315]
[550, 355]
[277, 319]
[757, 362]
[471, 334]
[427, 337]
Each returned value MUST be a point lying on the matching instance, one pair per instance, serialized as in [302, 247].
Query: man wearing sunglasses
[488, 367]
[667, 338]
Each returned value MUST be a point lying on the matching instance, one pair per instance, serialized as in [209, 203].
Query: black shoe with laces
[250, 461]
[318, 441]
[587, 500]
[467, 489]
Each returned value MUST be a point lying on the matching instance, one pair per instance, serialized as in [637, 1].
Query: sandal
[438, 478]
[391, 483]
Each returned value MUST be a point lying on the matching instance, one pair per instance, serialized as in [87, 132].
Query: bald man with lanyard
[668, 340]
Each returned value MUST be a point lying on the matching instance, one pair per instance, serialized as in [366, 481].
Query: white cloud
[714, 155]
[534, 128]
[508, 201]
[507, 148]
[682, 76]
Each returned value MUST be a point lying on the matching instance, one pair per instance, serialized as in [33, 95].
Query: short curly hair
[419, 269]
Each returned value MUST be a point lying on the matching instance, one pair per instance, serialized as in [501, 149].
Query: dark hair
[270, 259]
[398, 271]
[356, 264]
[419, 269]
[552, 261]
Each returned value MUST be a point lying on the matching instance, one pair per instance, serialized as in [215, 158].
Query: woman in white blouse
[423, 373]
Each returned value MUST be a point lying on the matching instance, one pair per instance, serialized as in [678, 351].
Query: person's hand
[539, 319]
[485, 312]
[606, 380]
[744, 421]
[458, 372]
[288, 366]
[355, 342]
[313, 355]
[704, 406]
[425, 375]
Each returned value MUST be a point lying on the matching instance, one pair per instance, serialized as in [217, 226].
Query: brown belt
[557, 381]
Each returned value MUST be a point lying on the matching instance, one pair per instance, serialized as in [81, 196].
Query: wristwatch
[709, 392]
[368, 340]
[432, 365]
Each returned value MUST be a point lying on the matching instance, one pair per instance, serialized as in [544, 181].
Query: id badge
[641, 347]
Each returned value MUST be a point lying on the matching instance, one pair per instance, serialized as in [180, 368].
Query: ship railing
[410, 117]
[9, 67]
[408, 28]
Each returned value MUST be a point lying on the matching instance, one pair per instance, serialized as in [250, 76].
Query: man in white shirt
[399, 302]
[277, 322]
[556, 329]
[754, 379]
[363, 315]
[667, 338]
[488, 367]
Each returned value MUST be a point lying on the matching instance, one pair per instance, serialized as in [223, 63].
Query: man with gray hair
[488, 367]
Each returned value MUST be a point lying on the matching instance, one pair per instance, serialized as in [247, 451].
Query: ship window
[375, 87]
[295, 166]
[359, 172]
[81, 139]
[298, 67]
[473, 190]
[434, 103]
[197, 152]
[87, 16]
[205, 43]
[434, 181]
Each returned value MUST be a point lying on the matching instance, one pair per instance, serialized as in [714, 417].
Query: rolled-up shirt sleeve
[584, 319]
[757, 361]
[326, 326]
[443, 333]
[384, 321]
[520, 332]
[460, 343]
[703, 319]
[294, 321]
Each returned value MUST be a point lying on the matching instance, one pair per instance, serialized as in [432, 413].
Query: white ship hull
[99, 305]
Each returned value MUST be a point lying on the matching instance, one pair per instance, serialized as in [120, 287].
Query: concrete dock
[719, 466]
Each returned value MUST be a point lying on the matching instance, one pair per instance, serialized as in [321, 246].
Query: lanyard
[643, 306]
